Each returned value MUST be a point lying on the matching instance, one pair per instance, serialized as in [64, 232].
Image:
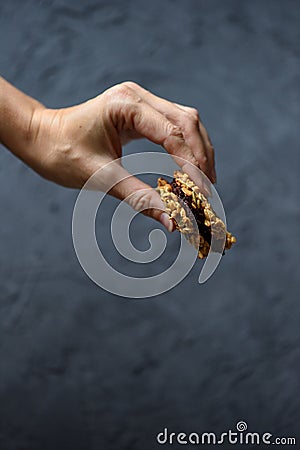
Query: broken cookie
[193, 215]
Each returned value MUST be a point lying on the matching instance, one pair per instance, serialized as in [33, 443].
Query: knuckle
[203, 160]
[194, 113]
[123, 90]
[130, 84]
[190, 121]
[120, 91]
[131, 114]
[174, 131]
[125, 102]
[141, 200]
[194, 161]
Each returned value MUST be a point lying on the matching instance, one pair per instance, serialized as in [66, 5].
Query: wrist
[34, 125]
[17, 114]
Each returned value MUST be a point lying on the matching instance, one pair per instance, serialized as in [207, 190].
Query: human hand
[71, 144]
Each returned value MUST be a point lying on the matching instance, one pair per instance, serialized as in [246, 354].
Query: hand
[69, 145]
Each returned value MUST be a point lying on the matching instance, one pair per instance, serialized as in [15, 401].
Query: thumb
[142, 198]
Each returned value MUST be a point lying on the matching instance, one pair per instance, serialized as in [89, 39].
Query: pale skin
[69, 145]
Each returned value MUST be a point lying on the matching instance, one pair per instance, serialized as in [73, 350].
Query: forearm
[17, 120]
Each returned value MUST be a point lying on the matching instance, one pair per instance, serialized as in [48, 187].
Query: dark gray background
[82, 369]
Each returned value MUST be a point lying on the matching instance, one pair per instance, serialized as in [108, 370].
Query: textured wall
[81, 369]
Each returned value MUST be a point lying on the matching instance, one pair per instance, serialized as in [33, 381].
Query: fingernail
[166, 221]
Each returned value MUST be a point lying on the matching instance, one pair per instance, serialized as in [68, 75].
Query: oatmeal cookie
[193, 215]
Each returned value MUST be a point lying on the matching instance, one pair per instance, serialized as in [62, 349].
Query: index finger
[138, 115]
[189, 122]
